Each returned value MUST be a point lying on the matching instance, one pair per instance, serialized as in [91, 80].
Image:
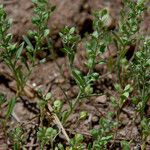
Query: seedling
[128, 32]
[140, 73]
[76, 142]
[44, 99]
[125, 145]
[42, 11]
[103, 135]
[17, 136]
[46, 136]
[9, 109]
[96, 46]
[11, 52]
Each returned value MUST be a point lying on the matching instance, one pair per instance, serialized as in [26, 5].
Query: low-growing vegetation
[130, 87]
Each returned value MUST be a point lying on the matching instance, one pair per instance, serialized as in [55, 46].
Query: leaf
[20, 76]
[72, 30]
[125, 145]
[95, 34]
[46, 32]
[2, 98]
[78, 77]
[11, 105]
[118, 39]
[64, 116]
[78, 138]
[126, 94]
[107, 138]
[28, 42]
[19, 51]
[104, 12]
[102, 48]
[102, 62]
[48, 96]
[117, 87]
[43, 61]
[127, 88]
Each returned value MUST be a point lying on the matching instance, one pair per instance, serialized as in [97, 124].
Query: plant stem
[73, 107]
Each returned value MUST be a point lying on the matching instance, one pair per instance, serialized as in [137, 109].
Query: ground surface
[54, 76]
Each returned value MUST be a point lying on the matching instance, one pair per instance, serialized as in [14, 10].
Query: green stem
[143, 147]
[73, 107]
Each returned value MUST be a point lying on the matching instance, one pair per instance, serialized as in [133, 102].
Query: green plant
[145, 129]
[11, 52]
[76, 142]
[127, 34]
[140, 75]
[125, 145]
[57, 105]
[3, 99]
[104, 134]
[46, 135]
[122, 97]
[9, 109]
[133, 81]
[140, 70]
[128, 37]
[17, 136]
[43, 101]
[42, 11]
[99, 41]
[97, 45]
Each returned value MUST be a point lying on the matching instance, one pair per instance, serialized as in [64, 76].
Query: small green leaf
[125, 145]
[88, 90]
[83, 115]
[2, 98]
[78, 77]
[72, 30]
[79, 138]
[48, 96]
[19, 51]
[127, 88]
[11, 105]
[64, 115]
[46, 32]
[28, 42]
[95, 34]
[117, 87]
[102, 62]
[43, 61]
[58, 105]
[126, 94]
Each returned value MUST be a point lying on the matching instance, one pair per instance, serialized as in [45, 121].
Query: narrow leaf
[78, 78]
[11, 105]
[19, 51]
[28, 42]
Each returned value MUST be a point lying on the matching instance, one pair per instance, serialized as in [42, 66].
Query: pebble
[101, 99]
[95, 119]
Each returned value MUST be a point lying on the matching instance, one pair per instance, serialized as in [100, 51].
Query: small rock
[123, 119]
[101, 99]
[60, 80]
[95, 119]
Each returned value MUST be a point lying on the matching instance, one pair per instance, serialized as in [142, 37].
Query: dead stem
[58, 122]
